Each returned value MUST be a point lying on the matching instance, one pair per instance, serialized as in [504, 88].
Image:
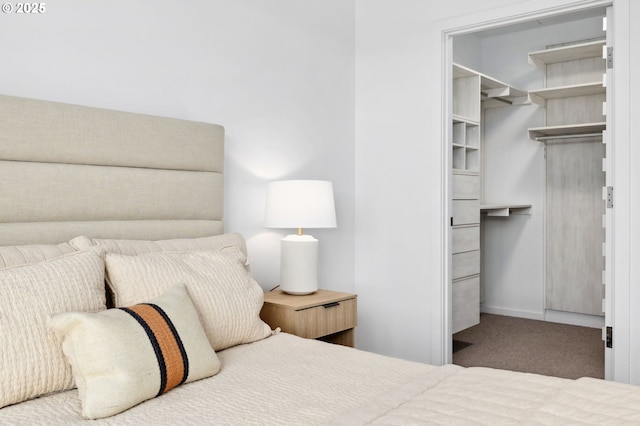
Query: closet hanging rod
[573, 136]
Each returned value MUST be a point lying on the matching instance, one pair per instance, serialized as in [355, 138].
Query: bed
[123, 300]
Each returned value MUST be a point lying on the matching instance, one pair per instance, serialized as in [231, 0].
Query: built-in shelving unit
[574, 99]
[575, 88]
[472, 93]
[465, 219]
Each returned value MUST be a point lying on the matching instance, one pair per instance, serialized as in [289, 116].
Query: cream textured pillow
[32, 361]
[133, 247]
[222, 242]
[20, 255]
[226, 297]
[122, 357]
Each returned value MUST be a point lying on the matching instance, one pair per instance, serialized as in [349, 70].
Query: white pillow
[226, 297]
[20, 255]
[32, 362]
[122, 357]
[222, 242]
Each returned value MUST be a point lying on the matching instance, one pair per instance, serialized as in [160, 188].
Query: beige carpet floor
[531, 346]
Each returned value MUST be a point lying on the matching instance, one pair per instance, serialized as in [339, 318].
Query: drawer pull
[331, 305]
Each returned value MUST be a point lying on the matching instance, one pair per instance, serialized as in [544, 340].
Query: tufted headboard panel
[68, 170]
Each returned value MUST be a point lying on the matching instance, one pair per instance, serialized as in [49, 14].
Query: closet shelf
[494, 93]
[551, 133]
[566, 53]
[504, 210]
[457, 118]
[540, 96]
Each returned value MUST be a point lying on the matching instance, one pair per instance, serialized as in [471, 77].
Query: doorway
[513, 166]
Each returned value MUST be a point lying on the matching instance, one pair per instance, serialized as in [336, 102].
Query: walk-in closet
[528, 170]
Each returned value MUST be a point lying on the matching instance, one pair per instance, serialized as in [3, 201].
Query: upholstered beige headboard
[68, 170]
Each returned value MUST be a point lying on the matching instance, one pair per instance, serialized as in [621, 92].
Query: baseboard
[496, 310]
[592, 321]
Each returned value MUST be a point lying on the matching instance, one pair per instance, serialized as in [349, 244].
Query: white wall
[279, 75]
[633, 199]
[399, 178]
[467, 51]
[397, 181]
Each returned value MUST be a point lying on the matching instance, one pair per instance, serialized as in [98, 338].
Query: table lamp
[299, 204]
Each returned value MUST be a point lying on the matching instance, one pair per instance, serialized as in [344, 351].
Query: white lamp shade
[300, 204]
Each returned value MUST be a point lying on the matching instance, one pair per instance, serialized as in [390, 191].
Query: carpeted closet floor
[531, 346]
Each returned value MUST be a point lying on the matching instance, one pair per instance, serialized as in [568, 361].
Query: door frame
[617, 362]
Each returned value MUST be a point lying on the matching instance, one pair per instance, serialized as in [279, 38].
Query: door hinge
[609, 57]
[609, 341]
[609, 197]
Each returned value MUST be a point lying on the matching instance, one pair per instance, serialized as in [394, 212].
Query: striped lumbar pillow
[122, 357]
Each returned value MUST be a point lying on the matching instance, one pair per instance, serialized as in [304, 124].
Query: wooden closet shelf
[540, 96]
[459, 145]
[457, 118]
[504, 210]
[551, 133]
[566, 53]
[494, 93]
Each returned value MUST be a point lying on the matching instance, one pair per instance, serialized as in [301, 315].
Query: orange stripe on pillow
[167, 345]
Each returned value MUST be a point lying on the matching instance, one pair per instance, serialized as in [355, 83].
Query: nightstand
[325, 315]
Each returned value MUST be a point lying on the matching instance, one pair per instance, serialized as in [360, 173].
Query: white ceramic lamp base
[299, 264]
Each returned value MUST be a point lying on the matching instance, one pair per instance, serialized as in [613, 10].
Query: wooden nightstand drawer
[326, 319]
[327, 315]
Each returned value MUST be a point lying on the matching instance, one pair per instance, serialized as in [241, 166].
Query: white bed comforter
[453, 395]
[281, 380]
[286, 380]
